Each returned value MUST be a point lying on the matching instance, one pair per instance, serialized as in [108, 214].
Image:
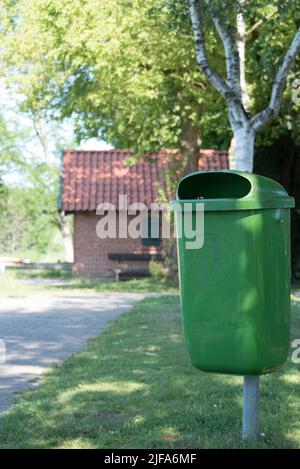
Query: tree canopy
[124, 70]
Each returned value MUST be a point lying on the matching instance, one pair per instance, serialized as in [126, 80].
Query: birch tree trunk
[67, 239]
[231, 154]
[244, 149]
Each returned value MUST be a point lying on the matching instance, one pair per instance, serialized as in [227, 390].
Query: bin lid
[232, 190]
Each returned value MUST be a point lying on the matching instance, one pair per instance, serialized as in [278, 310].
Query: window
[150, 231]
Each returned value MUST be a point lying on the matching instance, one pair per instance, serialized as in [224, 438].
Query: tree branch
[272, 110]
[259, 23]
[199, 36]
[231, 52]
[241, 32]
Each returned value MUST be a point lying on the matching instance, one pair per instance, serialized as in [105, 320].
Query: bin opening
[214, 185]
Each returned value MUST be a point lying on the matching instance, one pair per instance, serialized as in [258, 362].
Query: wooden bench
[126, 273]
[134, 257]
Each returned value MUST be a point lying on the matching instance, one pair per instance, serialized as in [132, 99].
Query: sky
[31, 146]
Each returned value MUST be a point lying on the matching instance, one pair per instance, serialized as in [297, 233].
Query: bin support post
[251, 408]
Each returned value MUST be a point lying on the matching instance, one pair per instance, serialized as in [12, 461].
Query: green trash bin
[235, 289]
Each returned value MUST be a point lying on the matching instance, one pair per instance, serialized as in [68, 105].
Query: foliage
[25, 221]
[29, 217]
[10, 143]
[267, 45]
[157, 270]
[125, 71]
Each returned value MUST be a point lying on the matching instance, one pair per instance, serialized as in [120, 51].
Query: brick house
[93, 177]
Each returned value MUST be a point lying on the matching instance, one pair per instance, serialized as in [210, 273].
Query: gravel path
[43, 330]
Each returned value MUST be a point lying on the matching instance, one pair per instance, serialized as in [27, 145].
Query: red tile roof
[92, 177]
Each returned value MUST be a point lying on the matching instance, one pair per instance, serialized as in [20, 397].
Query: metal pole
[251, 408]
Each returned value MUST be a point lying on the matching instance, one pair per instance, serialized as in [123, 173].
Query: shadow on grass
[133, 387]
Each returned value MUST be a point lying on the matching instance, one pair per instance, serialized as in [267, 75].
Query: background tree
[45, 178]
[29, 219]
[10, 146]
[124, 71]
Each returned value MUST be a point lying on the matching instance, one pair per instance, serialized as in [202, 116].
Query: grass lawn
[133, 387]
[24, 283]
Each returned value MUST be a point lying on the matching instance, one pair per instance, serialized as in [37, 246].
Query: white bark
[40, 129]
[244, 149]
[67, 239]
[231, 52]
[217, 81]
[241, 33]
[232, 153]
